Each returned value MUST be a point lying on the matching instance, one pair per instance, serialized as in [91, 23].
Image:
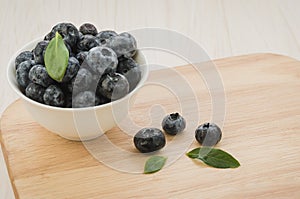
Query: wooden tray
[261, 130]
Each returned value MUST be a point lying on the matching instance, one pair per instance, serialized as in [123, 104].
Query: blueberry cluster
[101, 68]
[152, 139]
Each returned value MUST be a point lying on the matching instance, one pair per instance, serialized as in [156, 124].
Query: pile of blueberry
[152, 139]
[101, 68]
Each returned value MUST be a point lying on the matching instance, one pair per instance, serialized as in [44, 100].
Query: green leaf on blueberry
[56, 58]
[214, 157]
[154, 164]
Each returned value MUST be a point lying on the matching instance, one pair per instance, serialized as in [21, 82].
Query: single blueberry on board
[173, 123]
[149, 139]
[208, 134]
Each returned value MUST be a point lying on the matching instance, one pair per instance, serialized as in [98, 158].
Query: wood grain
[261, 130]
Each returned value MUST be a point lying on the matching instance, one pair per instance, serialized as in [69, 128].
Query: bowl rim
[11, 69]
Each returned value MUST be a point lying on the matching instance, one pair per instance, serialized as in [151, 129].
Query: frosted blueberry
[113, 86]
[123, 44]
[100, 59]
[54, 96]
[35, 92]
[85, 99]
[22, 73]
[208, 134]
[23, 56]
[173, 123]
[105, 36]
[72, 69]
[39, 75]
[149, 139]
[87, 42]
[39, 52]
[82, 81]
[131, 70]
[68, 31]
[81, 56]
[88, 29]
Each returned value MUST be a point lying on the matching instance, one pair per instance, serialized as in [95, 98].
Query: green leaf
[214, 157]
[154, 164]
[194, 153]
[56, 58]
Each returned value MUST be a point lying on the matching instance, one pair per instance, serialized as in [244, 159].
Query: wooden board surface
[261, 130]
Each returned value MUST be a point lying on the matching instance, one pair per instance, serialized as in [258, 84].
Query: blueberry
[85, 99]
[71, 54]
[149, 139]
[100, 59]
[133, 41]
[72, 69]
[22, 73]
[173, 123]
[54, 96]
[35, 92]
[208, 134]
[39, 75]
[113, 86]
[80, 35]
[68, 86]
[68, 31]
[105, 36]
[68, 100]
[81, 82]
[102, 100]
[123, 44]
[87, 42]
[39, 52]
[81, 56]
[88, 29]
[131, 70]
[128, 35]
[23, 56]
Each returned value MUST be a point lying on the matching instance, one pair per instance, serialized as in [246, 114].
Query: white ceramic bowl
[76, 123]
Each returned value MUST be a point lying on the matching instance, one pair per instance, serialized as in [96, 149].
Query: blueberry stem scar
[174, 116]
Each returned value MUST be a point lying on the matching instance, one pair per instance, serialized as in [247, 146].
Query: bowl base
[78, 139]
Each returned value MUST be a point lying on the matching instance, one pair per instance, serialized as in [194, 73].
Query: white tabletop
[223, 28]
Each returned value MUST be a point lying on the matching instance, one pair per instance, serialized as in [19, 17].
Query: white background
[223, 28]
